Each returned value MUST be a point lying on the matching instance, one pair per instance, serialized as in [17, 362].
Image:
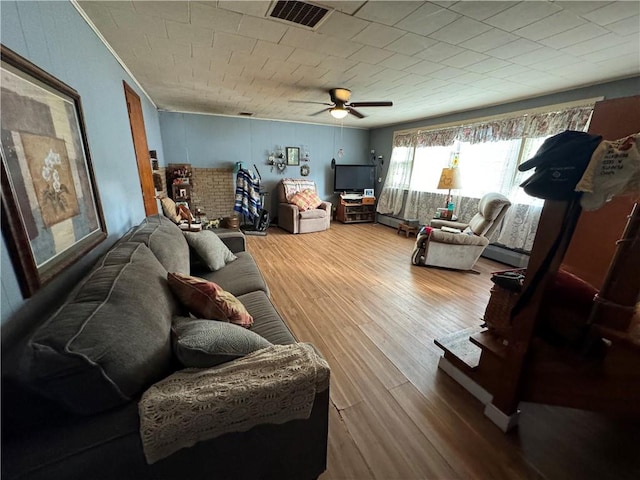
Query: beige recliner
[437, 248]
[291, 218]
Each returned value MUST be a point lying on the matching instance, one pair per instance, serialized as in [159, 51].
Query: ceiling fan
[340, 106]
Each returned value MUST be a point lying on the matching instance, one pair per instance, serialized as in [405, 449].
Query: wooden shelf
[359, 211]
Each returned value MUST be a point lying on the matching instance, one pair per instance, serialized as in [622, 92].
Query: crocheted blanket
[247, 200]
[273, 385]
[295, 185]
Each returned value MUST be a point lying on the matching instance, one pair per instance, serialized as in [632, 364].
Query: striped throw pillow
[208, 300]
[306, 200]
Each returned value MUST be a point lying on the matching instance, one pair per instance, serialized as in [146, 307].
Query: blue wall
[56, 38]
[215, 141]
[382, 138]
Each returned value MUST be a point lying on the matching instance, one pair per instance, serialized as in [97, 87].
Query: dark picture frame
[293, 156]
[51, 210]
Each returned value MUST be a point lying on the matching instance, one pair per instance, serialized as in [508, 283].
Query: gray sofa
[70, 389]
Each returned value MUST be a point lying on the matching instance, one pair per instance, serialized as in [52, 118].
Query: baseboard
[388, 220]
[503, 421]
[469, 385]
[506, 256]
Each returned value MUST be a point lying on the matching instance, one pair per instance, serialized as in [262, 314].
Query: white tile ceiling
[429, 58]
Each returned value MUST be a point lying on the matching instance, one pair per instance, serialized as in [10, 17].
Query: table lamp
[449, 179]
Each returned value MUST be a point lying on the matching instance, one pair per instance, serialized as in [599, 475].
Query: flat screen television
[354, 178]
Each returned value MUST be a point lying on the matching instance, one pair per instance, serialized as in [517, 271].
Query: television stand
[356, 208]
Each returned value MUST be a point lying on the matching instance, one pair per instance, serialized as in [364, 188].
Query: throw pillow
[169, 208]
[203, 343]
[306, 200]
[208, 300]
[208, 246]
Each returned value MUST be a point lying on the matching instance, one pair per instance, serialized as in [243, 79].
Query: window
[488, 154]
[484, 167]
[400, 167]
[427, 166]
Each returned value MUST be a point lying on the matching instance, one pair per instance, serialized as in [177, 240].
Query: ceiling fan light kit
[340, 107]
[339, 112]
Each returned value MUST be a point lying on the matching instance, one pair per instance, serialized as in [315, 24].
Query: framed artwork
[51, 212]
[368, 192]
[293, 156]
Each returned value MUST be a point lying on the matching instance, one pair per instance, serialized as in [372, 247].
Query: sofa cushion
[208, 300]
[205, 343]
[238, 277]
[267, 321]
[166, 241]
[111, 339]
[306, 199]
[314, 213]
[210, 249]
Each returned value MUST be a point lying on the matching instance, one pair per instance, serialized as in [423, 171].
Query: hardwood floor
[353, 292]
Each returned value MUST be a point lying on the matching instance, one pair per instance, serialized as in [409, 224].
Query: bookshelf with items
[354, 208]
[179, 184]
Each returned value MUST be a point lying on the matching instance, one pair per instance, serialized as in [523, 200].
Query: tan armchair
[290, 218]
[461, 250]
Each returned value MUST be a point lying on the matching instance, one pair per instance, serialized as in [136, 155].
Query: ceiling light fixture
[339, 112]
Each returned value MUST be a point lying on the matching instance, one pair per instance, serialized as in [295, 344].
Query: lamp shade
[338, 112]
[450, 179]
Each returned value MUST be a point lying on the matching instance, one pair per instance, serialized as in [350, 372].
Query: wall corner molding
[86, 18]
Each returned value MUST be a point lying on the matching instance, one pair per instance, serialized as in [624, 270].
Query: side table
[407, 229]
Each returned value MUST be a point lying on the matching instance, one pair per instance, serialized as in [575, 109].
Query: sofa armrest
[235, 241]
[207, 397]
[288, 217]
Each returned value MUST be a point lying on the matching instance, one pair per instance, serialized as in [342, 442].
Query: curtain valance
[437, 138]
[528, 125]
[404, 139]
[551, 123]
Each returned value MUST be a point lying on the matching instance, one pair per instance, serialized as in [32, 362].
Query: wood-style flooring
[353, 292]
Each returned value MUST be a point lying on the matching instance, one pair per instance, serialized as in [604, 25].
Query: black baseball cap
[559, 162]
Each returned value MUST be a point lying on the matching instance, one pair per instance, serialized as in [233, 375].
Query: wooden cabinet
[362, 210]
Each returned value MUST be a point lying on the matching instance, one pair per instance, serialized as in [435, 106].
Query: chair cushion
[208, 300]
[290, 186]
[111, 339]
[306, 200]
[314, 213]
[457, 238]
[210, 249]
[206, 343]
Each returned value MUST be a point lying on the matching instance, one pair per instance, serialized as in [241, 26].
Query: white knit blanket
[273, 385]
[295, 185]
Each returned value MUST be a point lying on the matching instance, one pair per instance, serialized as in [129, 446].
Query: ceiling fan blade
[321, 111]
[353, 111]
[371, 104]
[306, 101]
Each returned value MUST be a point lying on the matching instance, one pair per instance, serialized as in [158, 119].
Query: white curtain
[398, 176]
[489, 153]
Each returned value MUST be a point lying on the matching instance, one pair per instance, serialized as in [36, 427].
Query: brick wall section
[213, 191]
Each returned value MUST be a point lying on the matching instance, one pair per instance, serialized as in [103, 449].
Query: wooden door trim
[141, 149]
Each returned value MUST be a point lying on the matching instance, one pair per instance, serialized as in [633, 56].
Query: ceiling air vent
[300, 13]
